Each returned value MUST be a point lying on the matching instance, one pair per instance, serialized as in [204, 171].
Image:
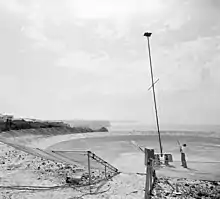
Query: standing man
[183, 155]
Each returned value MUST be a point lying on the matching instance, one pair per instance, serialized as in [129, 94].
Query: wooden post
[166, 159]
[105, 173]
[147, 185]
[89, 171]
[146, 196]
[149, 156]
[150, 174]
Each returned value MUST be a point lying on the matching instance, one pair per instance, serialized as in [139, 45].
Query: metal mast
[148, 34]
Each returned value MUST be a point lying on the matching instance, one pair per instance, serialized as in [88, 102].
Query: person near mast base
[183, 155]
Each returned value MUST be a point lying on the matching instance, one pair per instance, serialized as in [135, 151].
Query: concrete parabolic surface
[114, 147]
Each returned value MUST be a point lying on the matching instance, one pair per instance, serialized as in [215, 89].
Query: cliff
[20, 124]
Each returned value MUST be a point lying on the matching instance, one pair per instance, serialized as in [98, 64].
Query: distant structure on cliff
[8, 122]
[4, 117]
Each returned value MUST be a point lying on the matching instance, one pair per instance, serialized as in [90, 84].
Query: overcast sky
[88, 59]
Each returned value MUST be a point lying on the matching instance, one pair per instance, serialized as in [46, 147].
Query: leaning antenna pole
[148, 34]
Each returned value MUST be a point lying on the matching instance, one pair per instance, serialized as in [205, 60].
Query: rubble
[185, 188]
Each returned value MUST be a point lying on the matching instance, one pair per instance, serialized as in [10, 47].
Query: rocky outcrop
[185, 188]
[103, 129]
[20, 124]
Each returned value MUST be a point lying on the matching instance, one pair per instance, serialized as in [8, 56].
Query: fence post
[105, 173]
[150, 174]
[149, 156]
[89, 171]
[147, 185]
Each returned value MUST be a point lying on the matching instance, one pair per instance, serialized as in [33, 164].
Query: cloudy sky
[88, 59]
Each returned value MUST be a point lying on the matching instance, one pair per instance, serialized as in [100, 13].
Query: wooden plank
[89, 170]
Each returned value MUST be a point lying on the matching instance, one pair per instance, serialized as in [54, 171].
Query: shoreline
[46, 142]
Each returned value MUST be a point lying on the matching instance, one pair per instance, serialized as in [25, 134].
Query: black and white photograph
[109, 99]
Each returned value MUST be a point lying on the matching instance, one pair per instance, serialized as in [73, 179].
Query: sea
[165, 129]
[141, 126]
[138, 126]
